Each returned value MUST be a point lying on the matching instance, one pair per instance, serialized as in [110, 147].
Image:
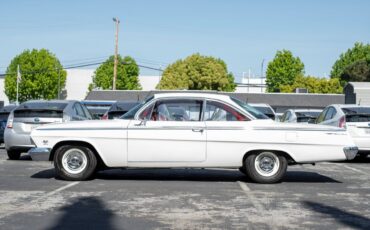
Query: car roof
[7, 108]
[306, 110]
[91, 102]
[49, 101]
[199, 95]
[351, 105]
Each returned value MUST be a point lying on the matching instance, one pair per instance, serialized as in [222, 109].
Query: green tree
[359, 52]
[358, 71]
[283, 70]
[314, 85]
[127, 74]
[198, 72]
[41, 74]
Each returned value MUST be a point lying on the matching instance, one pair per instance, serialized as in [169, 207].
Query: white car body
[224, 144]
[359, 130]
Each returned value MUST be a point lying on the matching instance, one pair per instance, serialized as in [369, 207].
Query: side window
[146, 114]
[321, 117]
[79, 111]
[288, 116]
[216, 111]
[283, 118]
[87, 112]
[329, 115]
[177, 110]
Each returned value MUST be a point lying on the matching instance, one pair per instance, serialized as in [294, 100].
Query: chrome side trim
[231, 141]
[297, 129]
[59, 129]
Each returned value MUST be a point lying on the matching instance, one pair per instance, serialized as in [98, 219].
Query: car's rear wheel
[13, 154]
[265, 167]
[74, 162]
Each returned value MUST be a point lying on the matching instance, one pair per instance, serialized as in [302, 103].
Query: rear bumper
[39, 154]
[363, 143]
[350, 152]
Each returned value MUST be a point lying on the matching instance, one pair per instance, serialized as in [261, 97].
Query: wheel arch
[280, 152]
[101, 162]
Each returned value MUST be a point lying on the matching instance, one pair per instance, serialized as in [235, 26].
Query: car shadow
[44, 174]
[206, 175]
[85, 213]
[308, 177]
[350, 219]
[23, 157]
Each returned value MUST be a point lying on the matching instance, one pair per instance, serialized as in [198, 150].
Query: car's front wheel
[265, 167]
[74, 162]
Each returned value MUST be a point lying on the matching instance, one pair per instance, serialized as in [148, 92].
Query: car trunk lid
[25, 120]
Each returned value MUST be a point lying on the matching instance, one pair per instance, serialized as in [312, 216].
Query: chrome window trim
[155, 100]
[245, 113]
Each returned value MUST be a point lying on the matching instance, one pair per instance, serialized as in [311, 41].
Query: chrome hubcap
[74, 161]
[267, 164]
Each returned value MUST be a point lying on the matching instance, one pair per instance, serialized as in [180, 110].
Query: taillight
[105, 116]
[342, 122]
[9, 123]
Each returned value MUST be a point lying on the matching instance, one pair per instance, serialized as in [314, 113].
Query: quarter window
[330, 114]
[79, 111]
[216, 111]
[177, 110]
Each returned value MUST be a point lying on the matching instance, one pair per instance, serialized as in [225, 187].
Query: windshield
[254, 112]
[131, 113]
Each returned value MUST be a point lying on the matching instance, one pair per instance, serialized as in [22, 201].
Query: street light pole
[116, 20]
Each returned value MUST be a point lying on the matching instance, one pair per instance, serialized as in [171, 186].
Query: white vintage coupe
[189, 130]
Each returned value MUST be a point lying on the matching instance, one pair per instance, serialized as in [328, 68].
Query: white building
[251, 85]
[78, 81]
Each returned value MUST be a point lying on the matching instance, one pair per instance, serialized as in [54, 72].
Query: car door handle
[199, 130]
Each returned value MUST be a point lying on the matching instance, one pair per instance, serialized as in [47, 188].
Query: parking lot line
[244, 186]
[62, 188]
[354, 169]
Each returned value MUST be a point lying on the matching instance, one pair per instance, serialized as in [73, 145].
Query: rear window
[4, 116]
[38, 113]
[357, 114]
[47, 109]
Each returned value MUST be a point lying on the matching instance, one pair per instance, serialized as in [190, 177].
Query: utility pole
[263, 60]
[116, 20]
[58, 83]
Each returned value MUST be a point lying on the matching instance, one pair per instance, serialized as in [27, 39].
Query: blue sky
[156, 33]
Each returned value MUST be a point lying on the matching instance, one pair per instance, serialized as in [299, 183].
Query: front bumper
[39, 154]
[350, 152]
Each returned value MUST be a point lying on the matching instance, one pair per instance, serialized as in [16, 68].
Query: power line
[78, 66]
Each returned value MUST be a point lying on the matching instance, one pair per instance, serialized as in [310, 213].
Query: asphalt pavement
[325, 196]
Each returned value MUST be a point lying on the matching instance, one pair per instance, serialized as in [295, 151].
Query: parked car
[355, 118]
[264, 108]
[301, 115]
[118, 109]
[4, 114]
[193, 131]
[97, 108]
[32, 114]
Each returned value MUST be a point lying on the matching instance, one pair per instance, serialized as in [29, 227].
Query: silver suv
[32, 114]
